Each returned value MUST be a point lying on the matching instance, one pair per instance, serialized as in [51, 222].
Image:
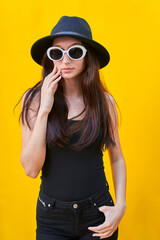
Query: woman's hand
[113, 216]
[48, 90]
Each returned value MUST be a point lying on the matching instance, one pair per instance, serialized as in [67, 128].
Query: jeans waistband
[50, 202]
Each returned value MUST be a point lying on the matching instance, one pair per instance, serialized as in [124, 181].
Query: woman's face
[77, 66]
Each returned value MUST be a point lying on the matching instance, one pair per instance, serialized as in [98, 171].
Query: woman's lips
[67, 69]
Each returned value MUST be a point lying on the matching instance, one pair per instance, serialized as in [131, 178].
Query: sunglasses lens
[75, 52]
[55, 54]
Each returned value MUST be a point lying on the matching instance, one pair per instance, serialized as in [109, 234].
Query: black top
[70, 175]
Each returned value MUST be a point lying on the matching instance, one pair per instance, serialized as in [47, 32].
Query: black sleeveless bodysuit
[70, 175]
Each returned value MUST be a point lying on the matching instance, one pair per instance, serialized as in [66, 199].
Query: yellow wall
[130, 31]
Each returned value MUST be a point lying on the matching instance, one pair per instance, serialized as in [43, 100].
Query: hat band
[72, 33]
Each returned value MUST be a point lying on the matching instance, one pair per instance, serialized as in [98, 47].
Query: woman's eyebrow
[57, 45]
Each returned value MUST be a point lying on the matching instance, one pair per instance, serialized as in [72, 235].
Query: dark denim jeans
[60, 220]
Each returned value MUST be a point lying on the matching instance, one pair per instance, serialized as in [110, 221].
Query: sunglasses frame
[84, 50]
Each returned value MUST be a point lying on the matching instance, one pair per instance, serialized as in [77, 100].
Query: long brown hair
[96, 108]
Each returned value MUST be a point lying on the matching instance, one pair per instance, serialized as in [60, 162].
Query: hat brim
[40, 47]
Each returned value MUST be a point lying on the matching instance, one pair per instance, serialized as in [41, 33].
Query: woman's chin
[68, 76]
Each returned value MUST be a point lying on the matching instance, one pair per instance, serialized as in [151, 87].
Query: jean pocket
[105, 200]
[43, 204]
[109, 200]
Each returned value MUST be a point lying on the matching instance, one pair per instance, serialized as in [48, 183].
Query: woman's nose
[65, 58]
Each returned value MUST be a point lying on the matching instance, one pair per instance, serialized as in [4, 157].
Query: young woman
[67, 120]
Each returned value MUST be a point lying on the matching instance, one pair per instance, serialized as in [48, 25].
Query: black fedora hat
[74, 27]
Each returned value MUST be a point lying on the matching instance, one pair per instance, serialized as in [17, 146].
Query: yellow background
[130, 30]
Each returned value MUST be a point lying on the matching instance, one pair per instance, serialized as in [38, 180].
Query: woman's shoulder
[109, 97]
[32, 107]
[27, 95]
[112, 107]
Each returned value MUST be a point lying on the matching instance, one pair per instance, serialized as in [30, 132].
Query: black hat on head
[74, 27]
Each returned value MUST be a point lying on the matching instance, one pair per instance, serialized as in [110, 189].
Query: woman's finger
[48, 80]
[56, 80]
[54, 85]
[107, 233]
[53, 78]
[103, 230]
[98, 228]
[51, 73]
[54, 70]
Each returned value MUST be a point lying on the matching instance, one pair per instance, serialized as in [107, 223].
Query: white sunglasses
[75, 52]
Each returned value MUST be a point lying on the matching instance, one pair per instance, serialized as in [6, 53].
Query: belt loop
[51, 204]
[92, 202]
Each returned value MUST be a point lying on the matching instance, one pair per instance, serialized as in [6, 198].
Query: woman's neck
[72, 88]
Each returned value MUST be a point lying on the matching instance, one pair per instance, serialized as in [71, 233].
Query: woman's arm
[113, 215]
[117, 161]
[34, 141]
